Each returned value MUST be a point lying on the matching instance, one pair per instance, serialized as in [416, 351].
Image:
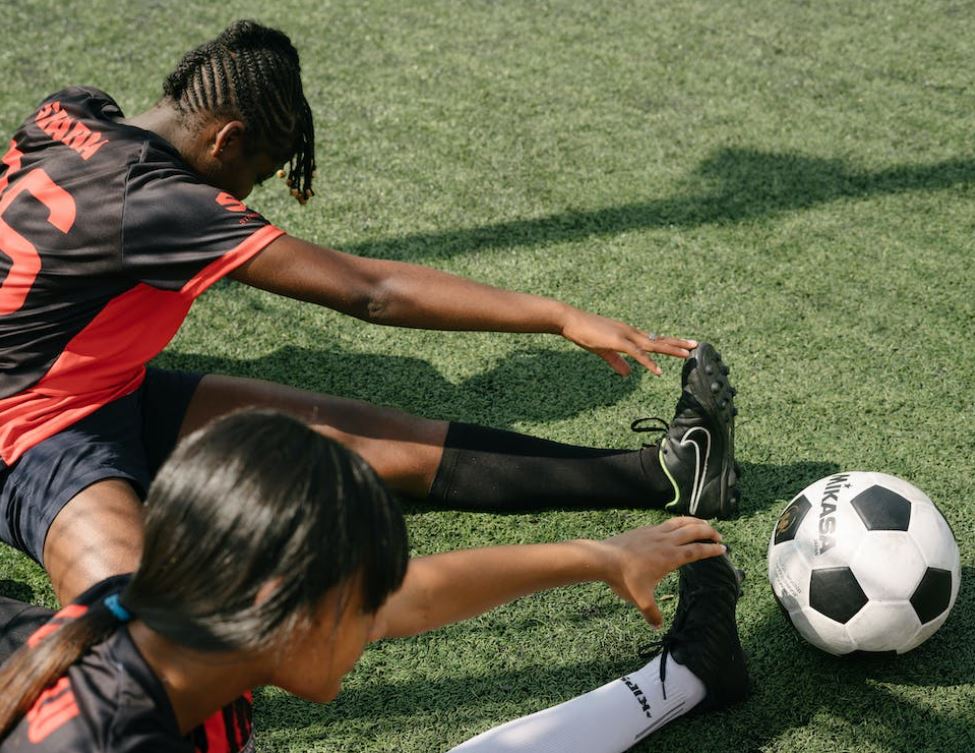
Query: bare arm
[445, 588]
[407, 295]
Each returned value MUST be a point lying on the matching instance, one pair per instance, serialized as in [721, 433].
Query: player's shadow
[765, 485]
[17, 617]
[15, 589]
[532, 385]
[732, 185]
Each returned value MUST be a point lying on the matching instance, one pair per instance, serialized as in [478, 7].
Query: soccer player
[306, 568]
[110, 228]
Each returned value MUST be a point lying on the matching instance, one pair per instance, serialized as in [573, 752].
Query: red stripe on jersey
[229, 729]
[216, 734]
[53, 708]
[230, 261]
[106, 360]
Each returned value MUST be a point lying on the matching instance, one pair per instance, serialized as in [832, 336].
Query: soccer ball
[864, 562]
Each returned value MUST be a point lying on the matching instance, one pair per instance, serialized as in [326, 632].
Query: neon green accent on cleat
[676, 500]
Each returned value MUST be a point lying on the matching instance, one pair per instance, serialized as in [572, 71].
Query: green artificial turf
[793, 181]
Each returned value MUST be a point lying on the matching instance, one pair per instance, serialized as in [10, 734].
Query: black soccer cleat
[704, 635]
[697, 452]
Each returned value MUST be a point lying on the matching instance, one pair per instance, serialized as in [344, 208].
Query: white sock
[609, 719]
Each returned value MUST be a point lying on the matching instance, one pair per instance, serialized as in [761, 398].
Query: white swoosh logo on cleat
[700, 464]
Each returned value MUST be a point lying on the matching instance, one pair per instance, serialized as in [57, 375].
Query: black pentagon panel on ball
[880, 509]
[835, 593]
[932, 595]
[790, 519]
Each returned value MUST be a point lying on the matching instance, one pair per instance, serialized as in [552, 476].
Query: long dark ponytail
[47, 655]
[255, 498]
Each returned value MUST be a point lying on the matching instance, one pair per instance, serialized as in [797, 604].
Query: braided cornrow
[252, 72]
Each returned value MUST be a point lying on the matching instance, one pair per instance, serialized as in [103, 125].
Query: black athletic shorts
[127, 439]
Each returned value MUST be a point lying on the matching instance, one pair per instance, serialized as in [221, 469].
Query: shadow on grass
[14, 589]
[530, 385]
[733, 185]
[767, 485]
[798, 686]
[18, 617]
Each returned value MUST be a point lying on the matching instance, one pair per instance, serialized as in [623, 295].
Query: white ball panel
[822, 632]
[955, 585]
[888, 565]
[789, 575]
[934, 539]
[884, 626]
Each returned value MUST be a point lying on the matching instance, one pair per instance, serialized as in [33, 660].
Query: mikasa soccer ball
[864, 562]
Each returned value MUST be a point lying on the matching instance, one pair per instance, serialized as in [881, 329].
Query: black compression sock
[492, 469]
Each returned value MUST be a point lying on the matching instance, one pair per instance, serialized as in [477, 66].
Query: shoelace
[657, 425]
[664, 646]
[645, 426]
[661, 648]
[679, 631]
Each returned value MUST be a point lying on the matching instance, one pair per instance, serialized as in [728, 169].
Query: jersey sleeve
[181, 234]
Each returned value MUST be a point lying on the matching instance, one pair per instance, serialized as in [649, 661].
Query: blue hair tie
[121, 613]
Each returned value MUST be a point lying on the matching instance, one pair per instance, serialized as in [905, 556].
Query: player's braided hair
[252, 72]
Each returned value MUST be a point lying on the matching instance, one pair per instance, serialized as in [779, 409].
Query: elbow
[376, 304]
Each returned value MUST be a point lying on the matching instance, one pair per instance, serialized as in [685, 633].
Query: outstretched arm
[407, 295]
[445, 588]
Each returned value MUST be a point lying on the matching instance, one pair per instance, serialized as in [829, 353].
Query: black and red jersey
[111, 701]
[106, 238]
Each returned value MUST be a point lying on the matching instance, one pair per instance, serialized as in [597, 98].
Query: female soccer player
[300, 570]
[110, 228]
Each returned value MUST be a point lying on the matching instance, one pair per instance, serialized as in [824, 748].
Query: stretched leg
[610, 719]
[701, 666]
[463, 466]
[97, 534]
[456, 465]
